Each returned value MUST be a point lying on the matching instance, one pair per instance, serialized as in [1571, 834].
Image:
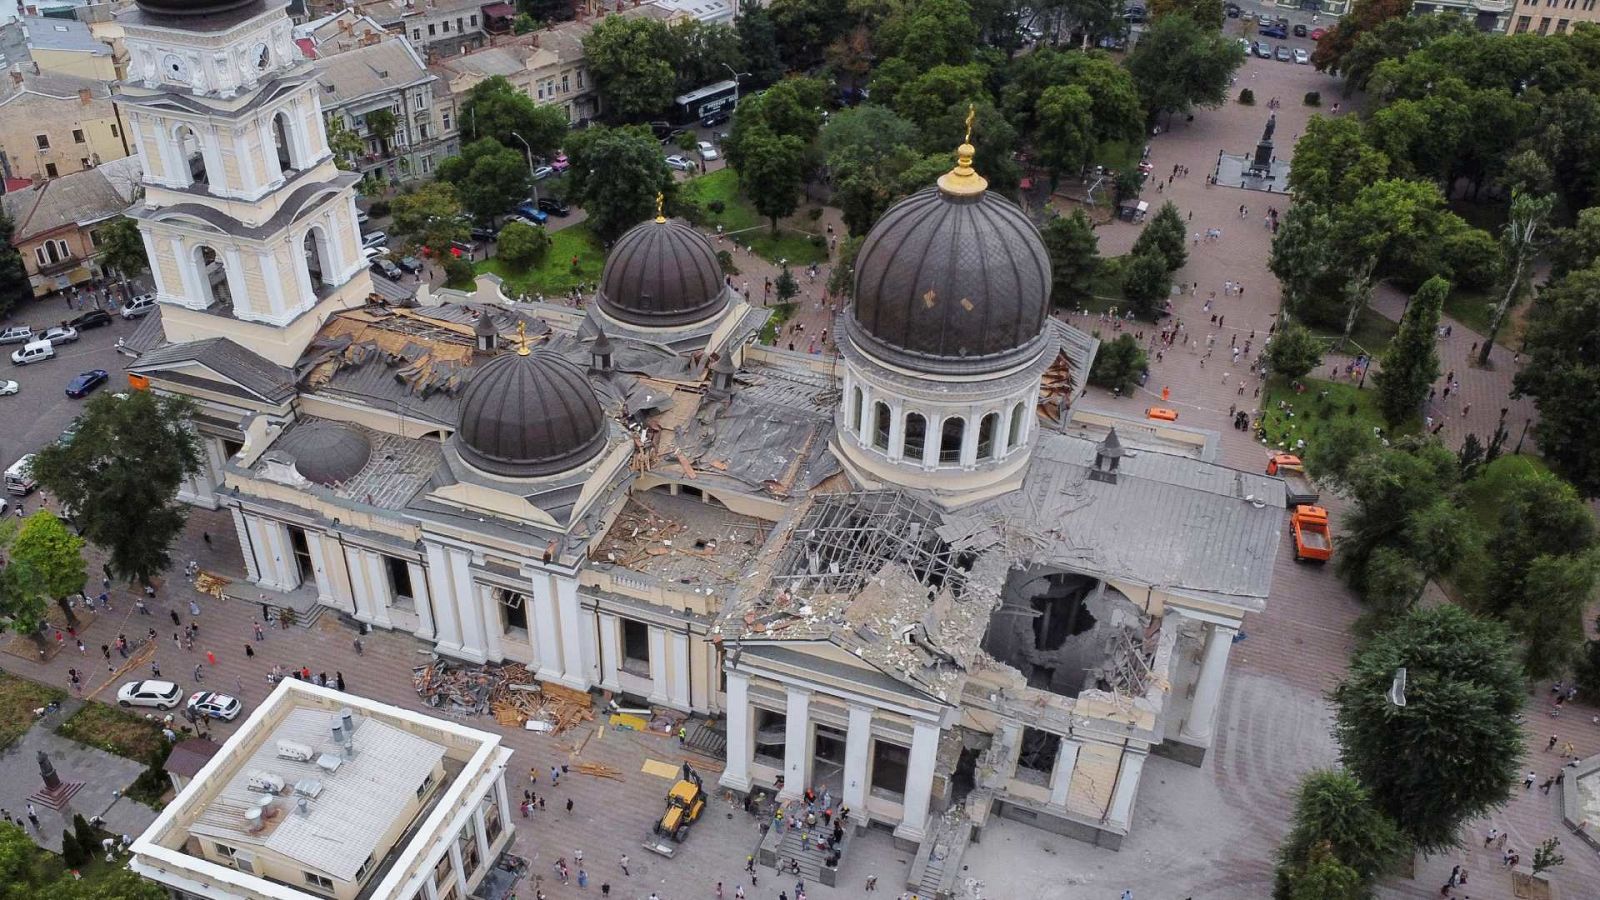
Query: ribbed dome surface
[944, 279]
[526, 416]
[662, 274]
[328, 454]
[192, 7]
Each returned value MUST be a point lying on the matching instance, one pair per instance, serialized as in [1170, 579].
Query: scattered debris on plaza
[508, 692]
[208, 583]
[600, 770]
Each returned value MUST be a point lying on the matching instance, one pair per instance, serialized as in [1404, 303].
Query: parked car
[371, 253]
[1299, 30]
[374, 239]
[139, 306]
[1233, 10]
[385, 266]
[1283, 54]
[160, 694]
[1134, 14]
[712, 120]
[84, 383]
[1302, 56]
[32, 352]
[16, 334]
[1272, 30]
[214, 706]
[7, 388]
[532, 214]
[554, 207]
[707, 152]
[543, 172]
[484, 234]
[1263, 49]
[362, 217]
[94, 318]
[560, 163]
[60, 334]
[409, 265]
[679, 164]
[1317, 33]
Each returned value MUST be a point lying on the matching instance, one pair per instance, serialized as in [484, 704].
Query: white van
[33, 352]
[138, 306]
[19, 478]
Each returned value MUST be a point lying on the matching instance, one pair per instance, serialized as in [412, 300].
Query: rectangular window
[416, 34]
[38, 254]
[399, 577]
[564, 86]
[1544, 25]
[427, 164]
[318, 882]
[430, 29]
[224, 850]
[114, 132]
[580, 79]
[513, 612]
[474, 20]
[491, 819]
[1561, 27]
[422, 789]
[366, 868]
[77, 136]
[443, 871]
[422, 101]
[635, 647]
[446, 121]
[95, 239]
[42, 141]
[445, 26]
[459, 28]
[1522, 23]
[50, 170]
[422, 132]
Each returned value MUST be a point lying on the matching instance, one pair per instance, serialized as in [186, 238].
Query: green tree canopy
[771, 172]
[14, 284]
[1333, 161]
[1452, 752]
[489, 177]
[1118, 363]
[1364, 16]
[1561, 372]
[758, 42]
[928, 33]
[1293, 351]
[631, 62]
[1074, 257]
[1146, 282]
[430, 216]
[866, 149]
[1166, 235]
[1411, 361]
[494, 108]
[705, 53]
[1334, 816]
[1391, 488]
[120, 476]
[24, 590]
[122, 248]
[1179, 64]
[53, 557]
[615, 176]
[1206, 12]
[522, 246]
[805, 28]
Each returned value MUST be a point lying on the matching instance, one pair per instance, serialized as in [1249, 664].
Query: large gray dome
[328, 453]
[189, 8]
[952, 281]
[524, 416]
[662, 274]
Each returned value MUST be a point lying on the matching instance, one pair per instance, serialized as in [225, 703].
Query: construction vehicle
[685, 802]
[1300, 491]
[1313, 541]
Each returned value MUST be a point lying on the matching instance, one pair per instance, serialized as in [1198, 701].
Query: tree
[120, 477]
[429, 215]
[122, 251]
[489, 178]
[615, 176]
[1118, 113]
[630, 60]
[381, 123]
[1411, 361]
[928, 33]
[1364, 16]
[1334, 817]
[758, 42]
[14, 284]
[84, 834]
[1386, 221]
[1146, 282]
[546, 10]
[771, 171]
[1165, 235]
[1519, 241]
[24, 594]
[1063, 141]
[55, 557]
[345, 144]
[1575, 248]
[522, 246]
[1118, 364]
[1390, 487]
[1462, 681]
[1179, 64]
[1293, 352]
[705, 53]
[494, 108]
[1562, 374]
[865, 149]
[1333, 161]
[1547, 855]
[785, 286]
[805, 28]
[1343, 441]
[1324, 877]
[1074, 257]
[1206, 12]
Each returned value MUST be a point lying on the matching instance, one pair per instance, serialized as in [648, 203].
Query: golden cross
[972, 115]
[522, 339]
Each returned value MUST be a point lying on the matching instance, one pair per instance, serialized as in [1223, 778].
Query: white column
[188, 277]
[1121, 812]
[233, 273]
[1198, 724]
[610, 653]
[422, 599]
[251, 568]
[658, 664]
[279, 559]
[678, 675]
[857, 750]
[319, 568]
[157, 273]
[1061, 778]
[488, 606]
[863, 426]
[507, 824]
[273, 277]
[474, 642]
[477, 832]
[244, 155]
[302, 276]
[547, 637]
[796, 743]
[919, 782]
[447, 636]
[932, 428]
[574, 675]
[356, 575]
[458, 874]
[378, 589]
[969, 441]
[897, 431]
[741, 743]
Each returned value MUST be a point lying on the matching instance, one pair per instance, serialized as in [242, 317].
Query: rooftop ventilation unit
[338, 732]
[302, 807]
[308, 787]
[245, 861]
[265, 782]
[349, 720]
[254, 821]
[295, 751]
[329, 762]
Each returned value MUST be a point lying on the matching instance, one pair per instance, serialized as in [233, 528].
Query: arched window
[856, 400]
[987, 426]
[880, 426]
[319, 260]
[951, 434]
[212, 276]
[916, 435]
[194, 159]
[1014, 437]
[282, 138]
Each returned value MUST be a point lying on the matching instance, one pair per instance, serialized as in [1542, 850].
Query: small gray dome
[524, 416]
[948, 278]
[662, 274]
[328, 454]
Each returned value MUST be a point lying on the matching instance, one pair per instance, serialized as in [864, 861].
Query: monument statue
[52, 781]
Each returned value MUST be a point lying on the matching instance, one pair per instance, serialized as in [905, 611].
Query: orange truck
[1313, 541]
[1299, 491]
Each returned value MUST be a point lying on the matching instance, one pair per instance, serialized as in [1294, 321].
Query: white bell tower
[250, 227]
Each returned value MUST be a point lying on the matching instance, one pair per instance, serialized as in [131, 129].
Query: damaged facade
[911, 571]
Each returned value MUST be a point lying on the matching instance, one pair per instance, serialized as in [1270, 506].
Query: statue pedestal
[56, 798]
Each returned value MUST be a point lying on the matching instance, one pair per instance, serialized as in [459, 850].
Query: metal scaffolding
[845, 539]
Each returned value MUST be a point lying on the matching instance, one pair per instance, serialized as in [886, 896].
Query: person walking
[249, 651]
[211, 658]
[624, 862]
[260, 634]
[197, 675]
[338, 680]
[569, 805]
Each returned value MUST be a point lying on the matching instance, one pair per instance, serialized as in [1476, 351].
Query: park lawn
[1310, 415]
[749, 228]
[1474, 309]
[1372, 334]
[553, 277]
[110, 729]
[1485, 495]
[19, 697]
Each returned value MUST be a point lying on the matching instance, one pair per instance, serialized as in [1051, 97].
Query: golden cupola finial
[962, 181]
[661, 206]
[522, 339]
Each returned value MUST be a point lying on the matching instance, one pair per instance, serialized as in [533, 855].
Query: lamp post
[532, 182]
[736, 77]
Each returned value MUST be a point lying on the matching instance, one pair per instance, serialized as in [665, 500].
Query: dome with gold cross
[662, 274]
[954, 278]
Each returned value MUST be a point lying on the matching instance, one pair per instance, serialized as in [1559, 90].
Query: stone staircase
[707, 739]
[937, 866]
[780, 845]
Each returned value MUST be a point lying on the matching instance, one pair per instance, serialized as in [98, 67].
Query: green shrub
[71, 852]
[1313, 98]
[725, 261]
[717, 207]
[1247, 97]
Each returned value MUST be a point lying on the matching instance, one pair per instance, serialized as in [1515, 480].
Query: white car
[707, 152]
[371, 253]
[1302, 56]
[678, 163]
[59, 334]
[542, 173]
[16, 334]
[139, 306]
[7, 388]
[374, 239]
[160, 694]
[214, 706]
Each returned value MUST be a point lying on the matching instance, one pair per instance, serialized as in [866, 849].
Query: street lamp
[533, 182]
[736, 77]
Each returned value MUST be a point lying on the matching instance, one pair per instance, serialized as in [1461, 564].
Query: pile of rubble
[508, 692]
[545, 707]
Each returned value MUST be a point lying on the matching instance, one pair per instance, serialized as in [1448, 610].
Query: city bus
[711, 100]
